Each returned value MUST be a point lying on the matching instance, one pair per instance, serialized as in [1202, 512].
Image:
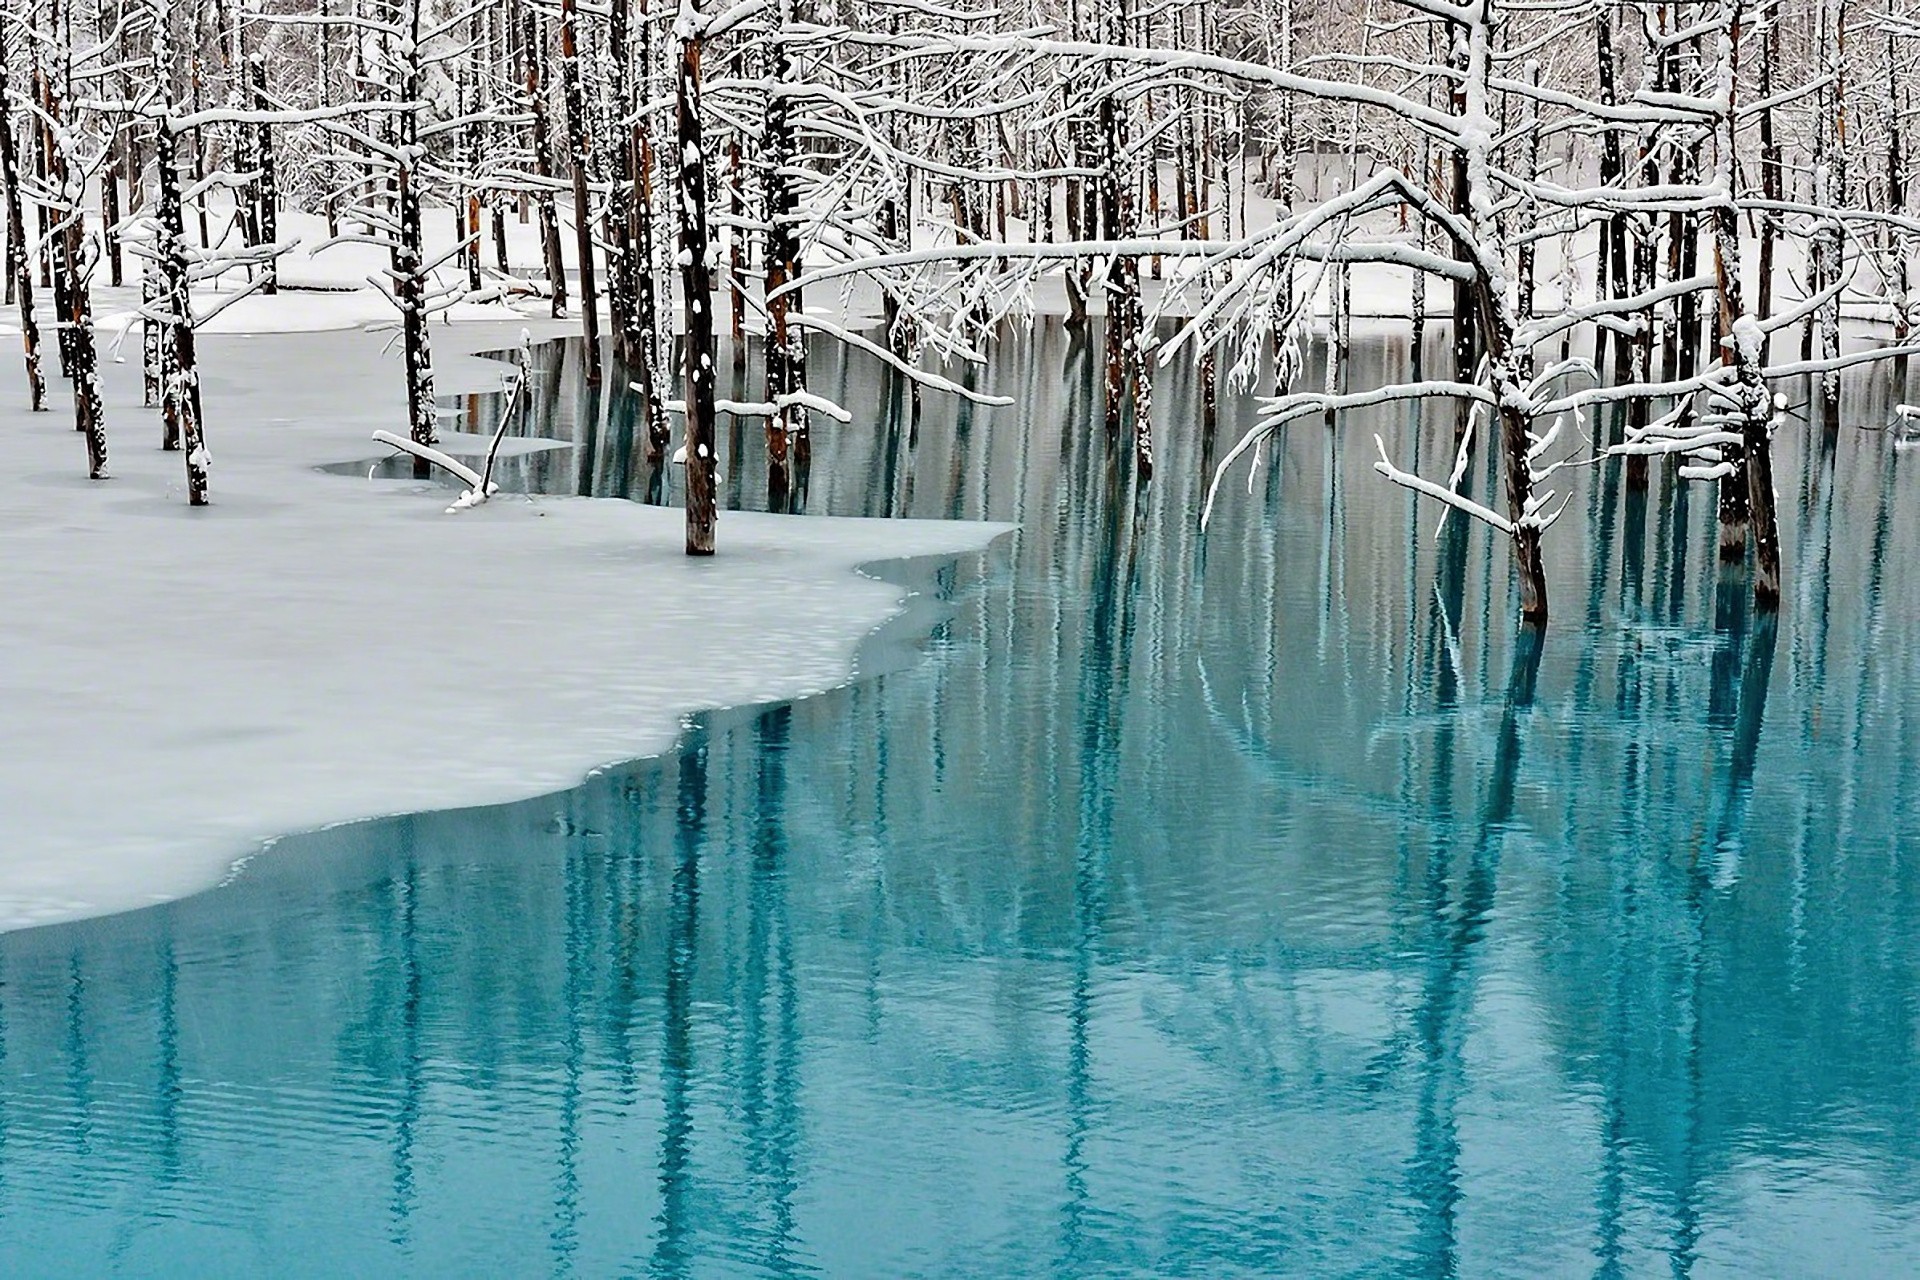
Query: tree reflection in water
[1243, 902]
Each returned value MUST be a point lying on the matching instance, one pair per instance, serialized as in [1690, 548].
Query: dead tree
[696, 286]
[534, 50]
[19, 269]
[580, 151]
[786, 352]
[74, 158]
[180, 380]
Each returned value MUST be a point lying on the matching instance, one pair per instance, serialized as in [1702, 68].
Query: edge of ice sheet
[183, 687]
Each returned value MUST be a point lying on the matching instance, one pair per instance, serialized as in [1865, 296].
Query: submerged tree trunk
[1125, 317]
[1751, 403]
[1493, 317]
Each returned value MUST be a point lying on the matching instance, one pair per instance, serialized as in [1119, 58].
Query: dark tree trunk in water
[696, 278]
[1749, 393]
[1514, 443]
[582, 155]
[1746, 490]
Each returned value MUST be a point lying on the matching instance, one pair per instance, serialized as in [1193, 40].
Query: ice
[184, 685]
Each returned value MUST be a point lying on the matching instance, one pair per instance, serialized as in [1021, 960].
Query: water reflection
[1245, 904]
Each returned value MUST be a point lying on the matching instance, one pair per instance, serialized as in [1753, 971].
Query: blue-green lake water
[1239, 904]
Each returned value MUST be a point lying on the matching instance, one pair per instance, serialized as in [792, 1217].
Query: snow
[183, 686]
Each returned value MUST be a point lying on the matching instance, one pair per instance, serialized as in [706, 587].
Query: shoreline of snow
[329, 290]
[186, 688]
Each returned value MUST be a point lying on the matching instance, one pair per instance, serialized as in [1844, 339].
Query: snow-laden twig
[1439, 492]
[477, 483]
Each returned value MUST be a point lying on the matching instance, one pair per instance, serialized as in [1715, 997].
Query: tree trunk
[19, 270]
[268, 219]
[409, 266]
[536, 55]
[582, 156]
[656, 332]
[696, 276]
[75, 265]
[786, 353]
[182, 378]
[624, 267]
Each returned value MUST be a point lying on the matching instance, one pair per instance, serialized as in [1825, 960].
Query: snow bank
[180, 686]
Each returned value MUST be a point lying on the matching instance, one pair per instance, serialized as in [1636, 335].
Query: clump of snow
[181, 687]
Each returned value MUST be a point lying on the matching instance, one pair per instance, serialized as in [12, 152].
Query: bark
[624, 266]
[736, 233]
[1526, 272]
[536, 94]
[696, 276]
[1515, 440]
[1897, 203]
[74, 267]
[152, 293]
[1465, 342]
[19, 270]
[1772, 183]
[267, 221]
[646, 301]
[786, 355]
[409, 265]
[182, 377]
[110, 212]
[1751, 401]
[581, 152]
[54, 272]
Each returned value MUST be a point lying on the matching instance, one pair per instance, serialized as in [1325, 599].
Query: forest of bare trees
[1625, 232]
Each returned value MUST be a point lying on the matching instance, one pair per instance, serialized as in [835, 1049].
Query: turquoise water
[1241, 905]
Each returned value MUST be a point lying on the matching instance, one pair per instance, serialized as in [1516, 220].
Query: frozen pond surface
[1240, 906]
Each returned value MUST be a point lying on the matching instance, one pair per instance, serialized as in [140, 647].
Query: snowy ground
[181, 686]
